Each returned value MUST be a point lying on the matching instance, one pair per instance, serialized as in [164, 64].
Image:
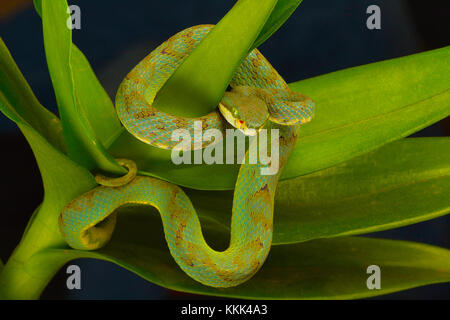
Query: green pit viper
[259, 98]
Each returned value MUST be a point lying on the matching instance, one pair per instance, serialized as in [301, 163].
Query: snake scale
[259, 97]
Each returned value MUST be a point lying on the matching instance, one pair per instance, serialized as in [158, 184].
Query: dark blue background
[320, 37]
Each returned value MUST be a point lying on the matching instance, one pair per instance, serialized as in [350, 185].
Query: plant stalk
[28, 270]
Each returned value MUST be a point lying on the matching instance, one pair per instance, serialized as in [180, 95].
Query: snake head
[244, 110]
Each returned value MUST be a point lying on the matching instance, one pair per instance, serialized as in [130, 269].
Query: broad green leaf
[19, 104]
[38, 6]
[62, 179]
[39, 126]
[357, 110]
[92, 97]
[59, 174]
[202, 78]
[282, 11]
[360, 109]
[319, 269]
[82, 144]
[404, 182]
[94, 100]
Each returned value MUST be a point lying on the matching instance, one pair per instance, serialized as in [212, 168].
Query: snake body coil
[88, 221]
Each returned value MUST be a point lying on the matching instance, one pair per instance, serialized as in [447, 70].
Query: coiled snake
[259, 97]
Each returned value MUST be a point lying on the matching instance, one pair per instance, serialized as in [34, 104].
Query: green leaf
[402, 183]
[320, 269]
[360, 109]
[209, 68]
[92, 97]
[94, 100]
[19, 104]
[63, 180]
[357, 110]
[38, 6]
[211, 65]
[282, 11]
[74, 87]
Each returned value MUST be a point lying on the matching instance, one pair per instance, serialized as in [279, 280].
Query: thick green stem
[28, 270]
[19, 282]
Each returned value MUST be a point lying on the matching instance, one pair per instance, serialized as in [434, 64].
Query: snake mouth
[241, 125]
[237, 123]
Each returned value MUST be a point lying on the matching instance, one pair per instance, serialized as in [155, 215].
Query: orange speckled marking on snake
[259, 97]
